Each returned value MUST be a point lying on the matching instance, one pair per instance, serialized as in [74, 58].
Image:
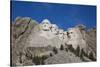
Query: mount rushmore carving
[34, 43]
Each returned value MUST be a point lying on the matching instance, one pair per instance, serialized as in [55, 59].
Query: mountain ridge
[27, 32]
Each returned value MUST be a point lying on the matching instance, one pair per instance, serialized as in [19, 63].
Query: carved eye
[70, 32]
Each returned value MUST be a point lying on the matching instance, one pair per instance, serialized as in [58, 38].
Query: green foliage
[77, 52]
[55, 50]
[66, 49]
[39, 60]
[81, 54]
[51, 54]
[36, 60]
[91, 56]
[61, 47]
[71, 48]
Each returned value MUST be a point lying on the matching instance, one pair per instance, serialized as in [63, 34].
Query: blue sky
[64, 15]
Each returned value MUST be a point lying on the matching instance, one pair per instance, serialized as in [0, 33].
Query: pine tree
[61, 47]
[38, 60]
[71, 48]
[51, 54]
[82, 54]
[66, 49]
[55, 50]
[77, 52]
[91, 56]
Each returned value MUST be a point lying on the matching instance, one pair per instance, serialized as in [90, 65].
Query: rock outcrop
[30, 40]
[20, 30]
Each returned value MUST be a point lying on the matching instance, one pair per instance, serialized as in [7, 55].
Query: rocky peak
[26, 32]
[45, 21]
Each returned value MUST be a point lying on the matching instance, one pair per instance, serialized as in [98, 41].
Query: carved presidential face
[74, 33]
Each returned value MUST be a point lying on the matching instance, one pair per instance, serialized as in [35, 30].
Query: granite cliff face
[86, 40]
[20, 30]
[33, 43]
